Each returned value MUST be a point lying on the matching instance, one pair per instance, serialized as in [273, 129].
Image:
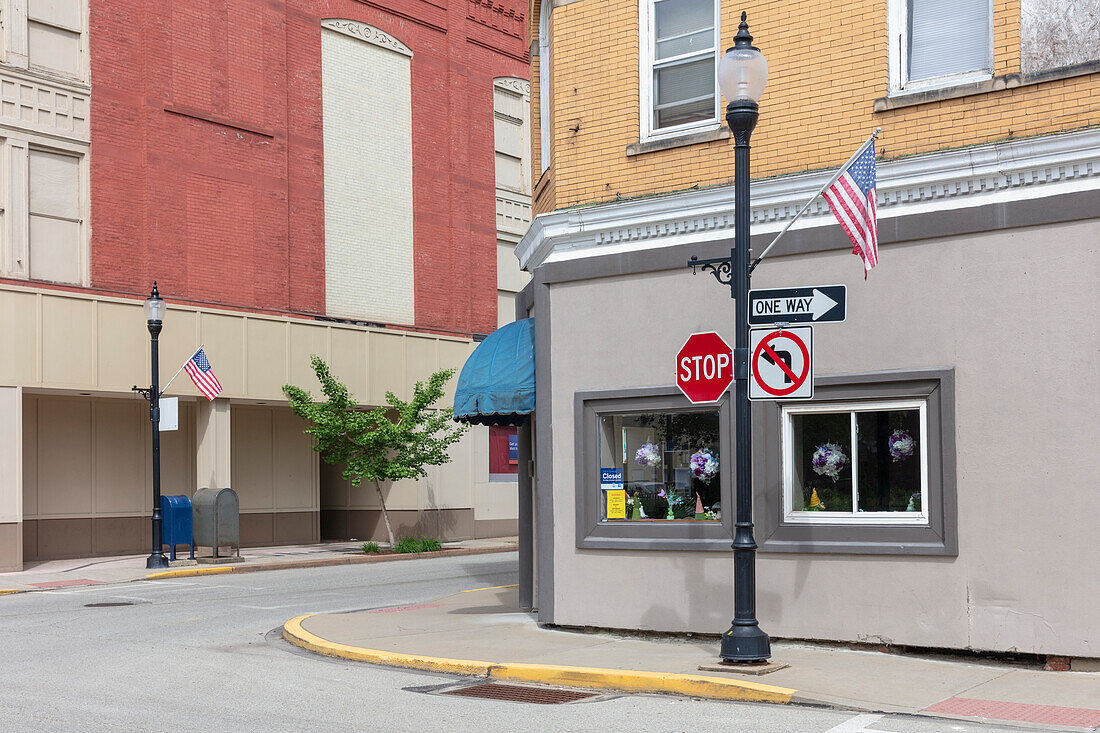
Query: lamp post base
[156, 561]
[745, 644]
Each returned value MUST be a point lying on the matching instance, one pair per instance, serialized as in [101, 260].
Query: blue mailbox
[176, 523]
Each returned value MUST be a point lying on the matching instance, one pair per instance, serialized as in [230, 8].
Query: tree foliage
[395, 441]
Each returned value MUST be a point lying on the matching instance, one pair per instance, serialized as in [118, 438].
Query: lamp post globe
[154, 307]
[742, 75]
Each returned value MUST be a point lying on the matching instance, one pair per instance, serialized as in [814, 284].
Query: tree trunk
[385, 514]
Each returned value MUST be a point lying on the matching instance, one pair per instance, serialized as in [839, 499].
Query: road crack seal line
[715, 688]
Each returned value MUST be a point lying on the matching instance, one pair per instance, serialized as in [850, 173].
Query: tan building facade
[929, 530]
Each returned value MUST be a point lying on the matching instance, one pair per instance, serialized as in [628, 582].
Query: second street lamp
[154, 321]
[742, 74]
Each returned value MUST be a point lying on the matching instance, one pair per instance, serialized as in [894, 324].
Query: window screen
[947, 37]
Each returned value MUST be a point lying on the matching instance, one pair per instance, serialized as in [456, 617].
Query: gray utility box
[217, 521]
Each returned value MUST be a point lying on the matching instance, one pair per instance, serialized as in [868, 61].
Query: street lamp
[154, 320]
[742, 74]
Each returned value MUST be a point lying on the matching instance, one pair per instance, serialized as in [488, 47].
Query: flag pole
[803, 210]
[180, 369]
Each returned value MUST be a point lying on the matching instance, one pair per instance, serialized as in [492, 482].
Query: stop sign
[704, 367]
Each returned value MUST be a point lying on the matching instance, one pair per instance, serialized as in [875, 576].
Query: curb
[10, 591]
[715, 688]
[324, 562]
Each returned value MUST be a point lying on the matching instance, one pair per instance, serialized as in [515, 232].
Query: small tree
[395, 441]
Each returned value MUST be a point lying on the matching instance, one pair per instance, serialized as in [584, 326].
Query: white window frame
[854, 517]
[898, 48]
[646, 65]
[545, 128]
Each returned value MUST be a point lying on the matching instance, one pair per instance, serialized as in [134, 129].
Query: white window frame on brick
[854, 517]
[545, 129]
[14, 38]
[15, 149]
[898, 48]
[648, 65]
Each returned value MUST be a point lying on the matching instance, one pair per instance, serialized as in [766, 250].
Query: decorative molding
[513, 212]
[36, 105]
[1027, 168]
[496, 16]
[513, 84]
[368, 33]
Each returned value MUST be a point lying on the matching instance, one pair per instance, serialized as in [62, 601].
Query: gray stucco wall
[1014, 312]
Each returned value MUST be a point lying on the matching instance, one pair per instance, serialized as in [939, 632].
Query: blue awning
[497, 383]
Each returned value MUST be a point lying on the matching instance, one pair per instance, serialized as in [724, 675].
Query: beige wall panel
[295, 466]
[400, 495]
[121, 428]
[223, 337]
[18, 341]
[506, 307]
[123, 347]
[65, 456]
[1013, 388]
[421, 360]
[497, 500]
[386, 355]
[305, 341]
[30, 456]
[348, 360]
[452, 355]
[363, 496]
[68, 330]
[178, 342]
[451, 485]
[267, 346]
[213, 443]
[11, 456]
[509, 276]
[251, 468]
[177, 457]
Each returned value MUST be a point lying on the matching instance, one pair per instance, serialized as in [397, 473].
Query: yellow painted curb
[295, 634]
[717, 688]
[187, 572]
[9, 591]
[691, 685]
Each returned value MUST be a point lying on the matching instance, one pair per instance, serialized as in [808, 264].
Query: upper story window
[679, 49]
[938, 43]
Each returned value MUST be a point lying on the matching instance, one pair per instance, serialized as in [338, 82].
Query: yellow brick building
[829, 86]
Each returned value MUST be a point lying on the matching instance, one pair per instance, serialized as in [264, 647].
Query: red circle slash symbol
[764, 347]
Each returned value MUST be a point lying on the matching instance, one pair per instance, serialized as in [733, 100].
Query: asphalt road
[203, 654]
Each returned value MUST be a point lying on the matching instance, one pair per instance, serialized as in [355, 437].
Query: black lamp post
[154, 320]
[742, 74]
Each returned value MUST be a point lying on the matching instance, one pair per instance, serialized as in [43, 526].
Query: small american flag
[852, 199]
[198, 368]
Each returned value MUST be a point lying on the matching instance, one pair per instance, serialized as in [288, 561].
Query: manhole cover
[516, 693]
[110, 604]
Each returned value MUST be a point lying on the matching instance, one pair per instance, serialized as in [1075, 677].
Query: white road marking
[857, 724]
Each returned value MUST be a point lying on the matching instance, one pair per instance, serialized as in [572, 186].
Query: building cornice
[1003, 171]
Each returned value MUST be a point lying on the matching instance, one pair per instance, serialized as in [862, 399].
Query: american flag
[852, 199]
[198, 368]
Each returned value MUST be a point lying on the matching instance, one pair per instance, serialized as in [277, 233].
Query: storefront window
[864, 463]
[503, 454]
[660, 466]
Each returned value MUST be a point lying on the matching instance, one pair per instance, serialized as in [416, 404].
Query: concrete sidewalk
[98, 570]
[482, 632]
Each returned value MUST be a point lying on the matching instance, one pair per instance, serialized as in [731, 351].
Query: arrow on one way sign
[821, 304]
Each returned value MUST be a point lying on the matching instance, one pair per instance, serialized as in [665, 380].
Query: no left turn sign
[781, 363]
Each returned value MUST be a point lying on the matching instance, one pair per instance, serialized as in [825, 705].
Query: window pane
[822, 471]
[684, 93]
[669, 463]
[889, 461]
[683, 26]
[947, 37]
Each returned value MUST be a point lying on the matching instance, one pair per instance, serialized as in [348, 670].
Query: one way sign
[821, 304]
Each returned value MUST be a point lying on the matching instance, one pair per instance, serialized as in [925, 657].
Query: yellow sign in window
[616, 504]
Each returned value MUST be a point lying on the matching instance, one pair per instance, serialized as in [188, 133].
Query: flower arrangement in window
[829, 460]
[704, 465]
[648, 455]
[901, 445]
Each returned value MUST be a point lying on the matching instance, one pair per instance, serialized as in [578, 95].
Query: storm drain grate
[110, 604]
[516, 693]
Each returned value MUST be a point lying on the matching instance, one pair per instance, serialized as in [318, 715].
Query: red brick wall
[206, 162]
